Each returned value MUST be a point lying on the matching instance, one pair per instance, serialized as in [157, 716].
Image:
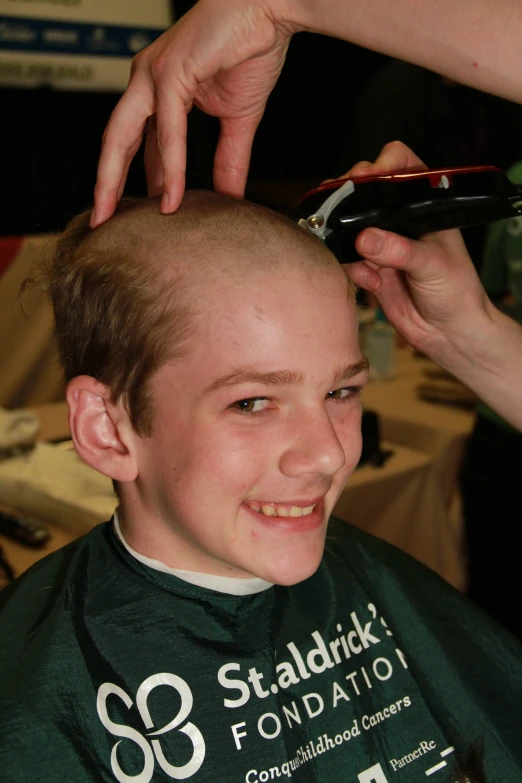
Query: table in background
[28, 355]
[22, 557]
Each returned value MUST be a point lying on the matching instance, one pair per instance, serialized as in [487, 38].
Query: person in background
[491, 472]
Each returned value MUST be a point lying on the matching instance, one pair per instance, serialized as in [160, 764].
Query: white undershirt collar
[221, 584]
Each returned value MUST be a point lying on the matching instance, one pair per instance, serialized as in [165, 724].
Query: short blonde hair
[123, 294]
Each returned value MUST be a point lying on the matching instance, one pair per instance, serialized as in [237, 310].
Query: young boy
[215, 375]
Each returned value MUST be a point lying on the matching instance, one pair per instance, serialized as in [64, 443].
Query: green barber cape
[372, 671]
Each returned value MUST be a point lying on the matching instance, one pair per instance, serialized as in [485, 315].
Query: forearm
[476, 42]
[487, 357]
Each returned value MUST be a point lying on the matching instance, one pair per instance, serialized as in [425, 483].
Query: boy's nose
[314, 448]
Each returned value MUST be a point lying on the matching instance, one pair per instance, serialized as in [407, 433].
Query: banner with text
[76, 44]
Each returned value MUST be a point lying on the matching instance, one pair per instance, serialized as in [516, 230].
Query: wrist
[480, 345]
[296, 16]
[460, 344]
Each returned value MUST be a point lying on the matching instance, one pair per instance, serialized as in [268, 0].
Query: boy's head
[213, 364]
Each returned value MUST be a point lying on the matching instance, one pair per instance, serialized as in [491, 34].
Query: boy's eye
[346, 393]
[251, 405]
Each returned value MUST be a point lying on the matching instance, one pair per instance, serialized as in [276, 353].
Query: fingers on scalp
[122, 137]
[120, 142]
[128, 161]
[172, 139]
[152, 160]
[233, 151]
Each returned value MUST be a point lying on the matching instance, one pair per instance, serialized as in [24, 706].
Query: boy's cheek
[215, 464]
[349, 432]
[236, 470]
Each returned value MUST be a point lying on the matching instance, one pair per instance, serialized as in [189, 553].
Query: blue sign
[56, 37]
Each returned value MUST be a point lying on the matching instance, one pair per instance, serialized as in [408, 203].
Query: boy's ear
[101, 429]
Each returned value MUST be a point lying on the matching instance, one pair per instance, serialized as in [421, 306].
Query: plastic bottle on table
[379, 347]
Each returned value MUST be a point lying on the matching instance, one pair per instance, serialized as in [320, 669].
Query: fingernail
[93, 222]
[372, 242]
[164, 206]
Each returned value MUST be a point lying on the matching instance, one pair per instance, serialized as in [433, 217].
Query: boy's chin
[294, 579]
[291, 570]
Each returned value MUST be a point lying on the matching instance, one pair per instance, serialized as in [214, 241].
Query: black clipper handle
[412, 204]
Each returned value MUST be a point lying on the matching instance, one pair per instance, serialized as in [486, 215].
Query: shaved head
[208, 232]
[126, 295]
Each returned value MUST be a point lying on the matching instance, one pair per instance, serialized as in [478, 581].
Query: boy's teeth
[283, 511]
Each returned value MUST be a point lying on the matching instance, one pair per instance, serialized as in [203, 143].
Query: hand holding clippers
[412, 203]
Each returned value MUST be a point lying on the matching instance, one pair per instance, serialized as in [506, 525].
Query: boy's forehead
[299, 331]
[274, 312]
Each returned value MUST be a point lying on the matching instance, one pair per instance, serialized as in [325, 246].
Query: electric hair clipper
[412, 203]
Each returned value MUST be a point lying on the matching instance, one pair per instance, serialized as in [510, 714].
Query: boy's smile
[256, 431]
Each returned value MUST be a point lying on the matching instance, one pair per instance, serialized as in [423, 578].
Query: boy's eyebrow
[281, 377]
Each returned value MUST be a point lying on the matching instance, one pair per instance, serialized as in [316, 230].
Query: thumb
[420, 259]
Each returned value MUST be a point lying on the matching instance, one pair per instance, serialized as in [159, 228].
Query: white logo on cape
[150, 755]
